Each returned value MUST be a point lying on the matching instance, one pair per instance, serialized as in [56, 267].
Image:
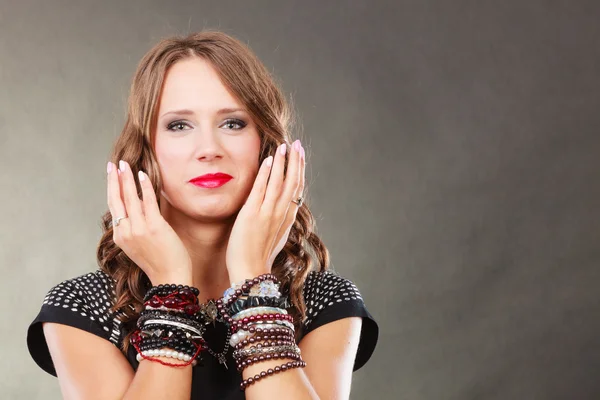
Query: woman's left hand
[263, 224]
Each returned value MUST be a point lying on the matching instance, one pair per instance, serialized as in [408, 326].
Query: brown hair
[247, 78]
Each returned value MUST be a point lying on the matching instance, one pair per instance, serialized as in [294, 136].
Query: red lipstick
[211, 180]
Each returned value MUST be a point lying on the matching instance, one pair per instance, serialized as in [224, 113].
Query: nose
[208, 145]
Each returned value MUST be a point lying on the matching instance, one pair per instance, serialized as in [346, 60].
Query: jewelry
[174, 323]
[165, 353]
[240, 354]
[254, 311]
[117, 221]
[221, 356]
[298, 201]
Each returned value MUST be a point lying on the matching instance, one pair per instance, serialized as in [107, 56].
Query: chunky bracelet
[252, 301]
[271, 371]
[180, 301]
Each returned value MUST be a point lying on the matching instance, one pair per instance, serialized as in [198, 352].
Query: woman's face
[213, 135]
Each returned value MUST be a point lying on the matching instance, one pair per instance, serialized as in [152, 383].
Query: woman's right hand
[145, 236]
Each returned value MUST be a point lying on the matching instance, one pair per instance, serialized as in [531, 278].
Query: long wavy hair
[247, 78]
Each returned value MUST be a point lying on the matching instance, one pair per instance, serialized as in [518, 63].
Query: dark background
[453, 155]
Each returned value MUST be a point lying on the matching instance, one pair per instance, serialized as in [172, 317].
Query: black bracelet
[255, 301]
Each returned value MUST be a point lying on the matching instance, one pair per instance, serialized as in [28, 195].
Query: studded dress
[85, 302]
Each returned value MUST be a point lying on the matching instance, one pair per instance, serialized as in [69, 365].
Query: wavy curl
[247, 78]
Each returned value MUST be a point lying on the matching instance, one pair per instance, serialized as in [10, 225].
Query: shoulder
[324, 289]
[330, 297]
[84, 302]
[90, 296]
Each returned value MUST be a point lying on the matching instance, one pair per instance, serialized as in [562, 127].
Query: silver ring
[117, 221]
[298, 201]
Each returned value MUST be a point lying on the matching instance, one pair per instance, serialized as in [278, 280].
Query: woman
[206, 288]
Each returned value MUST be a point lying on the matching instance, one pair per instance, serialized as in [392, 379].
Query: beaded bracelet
[150, 358]
[241, 365]
[164, 290]
[271, 371]
[243, 334]
[166, 353]
[258, 311]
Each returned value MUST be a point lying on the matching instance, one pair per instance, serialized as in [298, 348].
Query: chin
[217, 209]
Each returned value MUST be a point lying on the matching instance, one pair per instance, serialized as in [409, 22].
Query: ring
[298, 201]
[117, 221]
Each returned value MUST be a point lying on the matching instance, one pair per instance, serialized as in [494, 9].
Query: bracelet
[240, 354]
[165, 353]
[240, 366]
[166, 289]
[146, 315]
[271, 371]
[258, 311]
[176, 324]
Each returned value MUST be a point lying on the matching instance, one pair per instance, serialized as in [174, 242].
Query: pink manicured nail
[122, 165]
[282, 149]
[302, 152]
[108, 167]
[141, 176]
[269, 161]
[296, 145]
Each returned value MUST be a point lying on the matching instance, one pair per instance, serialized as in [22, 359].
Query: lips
[211, 180]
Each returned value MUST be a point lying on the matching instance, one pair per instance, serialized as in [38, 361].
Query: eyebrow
[190, 112]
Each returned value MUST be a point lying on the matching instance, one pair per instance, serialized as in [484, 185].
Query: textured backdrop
[453, 168]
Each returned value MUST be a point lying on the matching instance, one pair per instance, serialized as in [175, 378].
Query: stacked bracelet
[170, 325]
[261, 327]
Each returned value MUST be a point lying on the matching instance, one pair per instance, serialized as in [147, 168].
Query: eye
[232, 122]
[176, 124]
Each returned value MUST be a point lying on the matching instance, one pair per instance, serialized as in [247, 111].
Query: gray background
[453, 168]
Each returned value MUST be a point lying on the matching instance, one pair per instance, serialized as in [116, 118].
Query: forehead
[193, 83]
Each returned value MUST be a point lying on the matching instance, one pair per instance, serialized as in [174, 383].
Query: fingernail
[297, 145]
[141, 176]
[282, 149]
[269, 161]
[108, 167]
[302, 152]
[122, 165]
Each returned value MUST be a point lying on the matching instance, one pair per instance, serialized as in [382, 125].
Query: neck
[206, 242]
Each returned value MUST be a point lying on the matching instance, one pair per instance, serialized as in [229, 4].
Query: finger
[292, 179]
[113, 193]
[257, 194]
[275, 183]
[300, 191]
[132, 200]
[149, 202]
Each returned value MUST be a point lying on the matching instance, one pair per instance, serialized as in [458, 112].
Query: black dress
[84, 302]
